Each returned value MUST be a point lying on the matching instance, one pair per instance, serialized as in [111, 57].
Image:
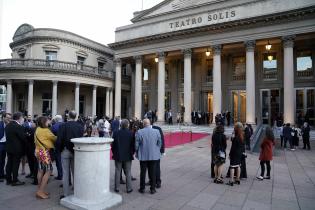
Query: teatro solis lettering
[198, 20]
[221, 15]
[187, 22]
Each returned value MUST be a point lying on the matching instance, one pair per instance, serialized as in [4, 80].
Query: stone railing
[270, 75]
[306, 73]
[54, 66]
[238, 77]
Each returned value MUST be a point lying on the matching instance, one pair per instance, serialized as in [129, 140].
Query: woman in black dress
[236, 153]
[218, 150]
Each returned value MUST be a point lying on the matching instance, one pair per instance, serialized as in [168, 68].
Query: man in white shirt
[6, 119]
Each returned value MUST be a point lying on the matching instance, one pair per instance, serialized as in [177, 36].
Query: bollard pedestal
[91, 175]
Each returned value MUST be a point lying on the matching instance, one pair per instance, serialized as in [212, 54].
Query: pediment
[169, 6]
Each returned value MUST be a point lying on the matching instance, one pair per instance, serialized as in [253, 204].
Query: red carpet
[178, 138]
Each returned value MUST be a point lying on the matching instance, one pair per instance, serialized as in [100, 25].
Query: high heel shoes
[237, 182]
[230, 183]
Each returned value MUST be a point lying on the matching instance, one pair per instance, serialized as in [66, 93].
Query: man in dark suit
[6, 118]
[67, 131]
[287, 135]
[123, 149]
[15, 142]
[162, 150]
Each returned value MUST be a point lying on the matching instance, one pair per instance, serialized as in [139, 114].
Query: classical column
[9, 97]
[161, 87]
[111, 103]
[138, 87]
[288, 80]
[250, 82]
[54, 98]
[187, 85]
[30, 98]
[77, 98]
[107, 103]
[118, 87]
[94, 100]
[217, 91]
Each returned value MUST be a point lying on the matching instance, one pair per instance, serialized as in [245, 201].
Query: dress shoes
[129, 191]
[18, 183]
[158, 186]
[141, 191]
[152, 192]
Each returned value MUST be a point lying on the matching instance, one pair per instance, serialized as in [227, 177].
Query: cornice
[57, 39]
[288, 16]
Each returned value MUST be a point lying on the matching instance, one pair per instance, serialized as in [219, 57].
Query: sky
[93, 19]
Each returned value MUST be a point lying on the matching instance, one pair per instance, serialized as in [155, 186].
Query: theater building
[53, 70]
[254, 58]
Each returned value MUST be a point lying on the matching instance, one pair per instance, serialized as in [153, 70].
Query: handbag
[43, 154]
[221, 154]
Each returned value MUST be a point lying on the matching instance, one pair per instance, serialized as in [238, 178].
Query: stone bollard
[91, 175]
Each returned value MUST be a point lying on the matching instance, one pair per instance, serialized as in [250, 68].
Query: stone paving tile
[204, 201]
[220, 206]
[284, 205]
[307, 203]
[284, 194]
[232, 198]
[253, 205]
[259, 196]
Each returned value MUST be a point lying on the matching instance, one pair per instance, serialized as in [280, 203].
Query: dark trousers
[290, 142]
[12, 167]
[262, 166]
[243, 168]
[2, 159]
[306, 143]
[248, 143]
[281, 141]
[31, 159]
[151, 166]
[158, 173]
[58, 163]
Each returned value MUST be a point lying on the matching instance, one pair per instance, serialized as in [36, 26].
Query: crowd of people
[42, 141]
[237, 154]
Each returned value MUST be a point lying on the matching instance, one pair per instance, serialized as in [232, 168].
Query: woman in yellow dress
[44, 141]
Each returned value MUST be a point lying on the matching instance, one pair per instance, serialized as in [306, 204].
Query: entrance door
[270, 105]
[239, 106]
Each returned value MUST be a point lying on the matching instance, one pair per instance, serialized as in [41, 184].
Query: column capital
[77, 84]
[288, 41]
[250, 45]
[217, 49]
[187, 52]
[30, 82]
[138, 58]
[9, 81]
[161, 55]
[55, 82]
[117, 61]
[94, 87]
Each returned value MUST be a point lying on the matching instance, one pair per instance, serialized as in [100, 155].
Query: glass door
[239, 106]
[270, 105]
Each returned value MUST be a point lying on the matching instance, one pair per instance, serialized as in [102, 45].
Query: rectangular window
[21, 102]
[80, 60]
[209, 71]
[51, 55]
[239, 66]
[270, 62]
[100, 65]
[46, 103]
[304, 61]
[81, 105]
[145, 74]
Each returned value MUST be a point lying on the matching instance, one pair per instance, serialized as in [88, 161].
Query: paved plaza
[186, 185]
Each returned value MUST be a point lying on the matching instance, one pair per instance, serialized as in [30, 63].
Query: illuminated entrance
[239, 105]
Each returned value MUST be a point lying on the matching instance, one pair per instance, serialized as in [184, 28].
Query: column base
[110, 200]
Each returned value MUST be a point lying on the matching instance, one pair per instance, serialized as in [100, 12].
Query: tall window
[81, 105]
[209, 71]
[166, 72]
[21, 102]
[145, 74]
[3, 97]
[239, 66]
[51, 55]
[46, 103]
[80, 60]
[270, 62]
[304, 61]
